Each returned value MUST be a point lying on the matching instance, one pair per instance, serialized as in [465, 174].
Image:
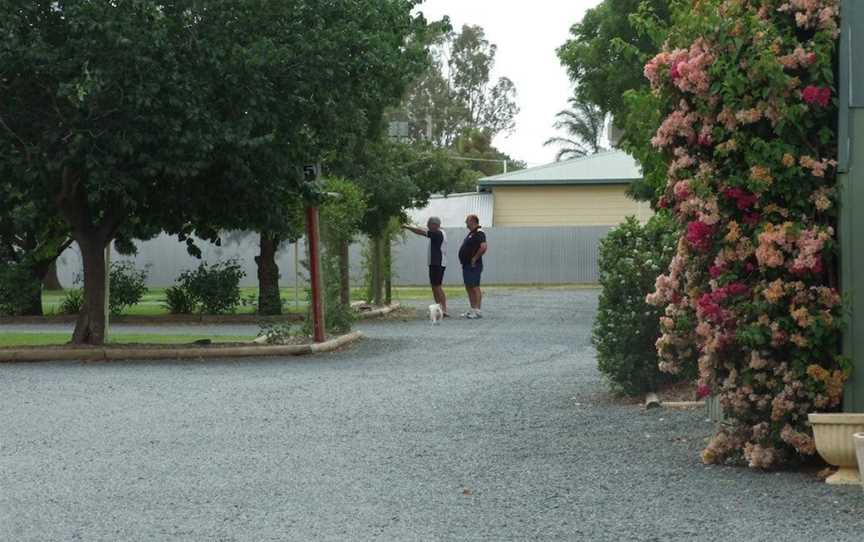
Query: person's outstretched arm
[415, 229]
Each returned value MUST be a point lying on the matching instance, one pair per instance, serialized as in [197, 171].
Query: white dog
[436, 313]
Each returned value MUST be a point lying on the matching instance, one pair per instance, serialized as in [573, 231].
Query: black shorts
[436, 275]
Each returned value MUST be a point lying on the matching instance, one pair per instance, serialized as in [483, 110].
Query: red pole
[315, 272]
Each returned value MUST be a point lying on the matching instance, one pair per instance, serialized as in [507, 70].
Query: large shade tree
[310, 91]
[173, 115]
[608, 49]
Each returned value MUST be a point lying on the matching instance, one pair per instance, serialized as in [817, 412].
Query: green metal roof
[610, 167]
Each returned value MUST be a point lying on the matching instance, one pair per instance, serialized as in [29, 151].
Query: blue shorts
[471, 275]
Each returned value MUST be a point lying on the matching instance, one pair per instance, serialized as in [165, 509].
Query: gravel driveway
[496, 429]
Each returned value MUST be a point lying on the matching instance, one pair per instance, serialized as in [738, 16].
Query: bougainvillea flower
[699, 235]
[813, 95]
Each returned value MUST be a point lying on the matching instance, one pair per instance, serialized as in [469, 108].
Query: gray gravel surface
[495, 429]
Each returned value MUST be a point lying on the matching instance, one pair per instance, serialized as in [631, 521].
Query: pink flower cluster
[688, 69]
[814, 95]
[810, 14]
[710, 305]
[749, 289]
[699, 235]
[799, 58]
[743, 200]
[679, 124]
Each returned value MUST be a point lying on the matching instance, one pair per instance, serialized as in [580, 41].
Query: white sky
[527, 34]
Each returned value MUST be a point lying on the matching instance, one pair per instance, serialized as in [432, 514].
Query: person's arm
[480, 251]
[477, 255]
[415, 229]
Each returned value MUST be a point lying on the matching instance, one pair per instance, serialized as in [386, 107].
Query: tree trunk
[269, 297]
[90, 326]
[344, 273]
[377, 270]
[388, 269]
[51, 280]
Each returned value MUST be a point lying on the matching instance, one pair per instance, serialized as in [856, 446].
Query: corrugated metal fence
[553, 255]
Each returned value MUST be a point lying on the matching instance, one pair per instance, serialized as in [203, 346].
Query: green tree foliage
[481, 159]
[32, 235]
[584, 124]
[605, 58]
[341, 217]
[608, 49]
[183, 116]
[456, 94]
[626, 327]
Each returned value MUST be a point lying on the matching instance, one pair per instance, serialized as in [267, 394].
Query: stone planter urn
[836, 445]
[859, 449]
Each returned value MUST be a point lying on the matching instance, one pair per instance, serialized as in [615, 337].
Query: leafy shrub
[17, 289]
[128, 286]
[213, 289]
[626, 327]
[72, 302]
[747, 94]
[178, 300]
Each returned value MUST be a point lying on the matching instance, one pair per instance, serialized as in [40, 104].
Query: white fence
[553, 255]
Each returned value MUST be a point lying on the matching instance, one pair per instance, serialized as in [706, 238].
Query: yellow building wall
[585, 205]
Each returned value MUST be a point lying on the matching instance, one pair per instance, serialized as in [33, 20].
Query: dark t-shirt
[436, 249]
[470, 246]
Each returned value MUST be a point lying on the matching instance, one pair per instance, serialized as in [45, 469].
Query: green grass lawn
[153, 304]
[51, 339]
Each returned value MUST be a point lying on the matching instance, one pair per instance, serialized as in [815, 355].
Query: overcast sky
[527, 34]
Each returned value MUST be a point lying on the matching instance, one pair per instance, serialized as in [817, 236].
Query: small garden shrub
[17, 289]
[626, 328]
[179, 301]
[212, 289]
[128, 286]
[73, 301]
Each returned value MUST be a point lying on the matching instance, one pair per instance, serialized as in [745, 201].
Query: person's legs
[440, 297]
[472, 297]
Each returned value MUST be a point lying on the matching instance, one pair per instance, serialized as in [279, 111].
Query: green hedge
[631, 257]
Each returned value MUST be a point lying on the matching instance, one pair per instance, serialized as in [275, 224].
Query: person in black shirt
[436, 257]
[471, 257]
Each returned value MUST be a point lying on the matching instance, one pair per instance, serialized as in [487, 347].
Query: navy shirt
[470, 246]
[437, 248]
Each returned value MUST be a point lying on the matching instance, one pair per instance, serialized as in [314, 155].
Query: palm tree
[584, 124]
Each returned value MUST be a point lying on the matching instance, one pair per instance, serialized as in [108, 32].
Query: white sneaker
[467, 314]
[473, 315]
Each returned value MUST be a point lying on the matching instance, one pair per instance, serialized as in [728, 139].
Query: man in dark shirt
[436, 257]
[471, 258]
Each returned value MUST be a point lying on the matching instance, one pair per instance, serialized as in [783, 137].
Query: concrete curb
[335, 343]
[13, 355]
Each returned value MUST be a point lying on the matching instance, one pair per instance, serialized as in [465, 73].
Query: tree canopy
[584, 124]
[607, 50]
[457, 94]
[178, 115]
